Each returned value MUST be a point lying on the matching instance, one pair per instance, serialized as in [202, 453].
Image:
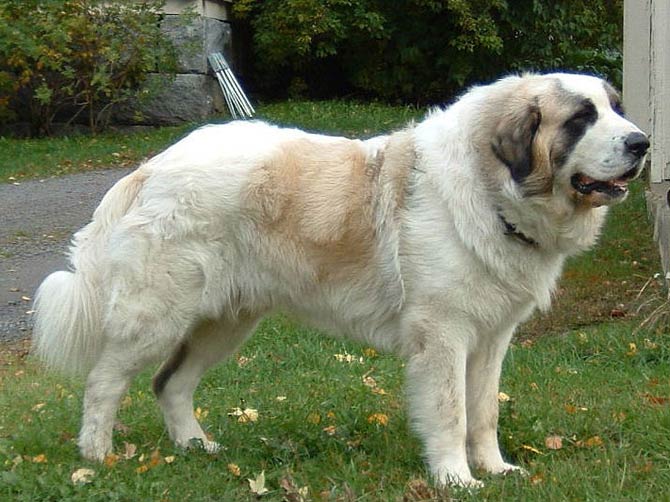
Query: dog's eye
[617, 106]
[587, 114]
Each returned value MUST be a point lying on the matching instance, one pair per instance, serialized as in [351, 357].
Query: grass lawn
[588, 413]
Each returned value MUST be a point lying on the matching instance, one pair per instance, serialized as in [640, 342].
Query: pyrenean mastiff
[433, 242]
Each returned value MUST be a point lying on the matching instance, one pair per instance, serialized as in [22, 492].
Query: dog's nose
[637, 143]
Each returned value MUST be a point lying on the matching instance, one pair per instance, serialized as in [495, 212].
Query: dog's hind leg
[178, 377]
[119, 361]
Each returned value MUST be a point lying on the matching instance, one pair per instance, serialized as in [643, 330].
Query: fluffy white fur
[396, 241]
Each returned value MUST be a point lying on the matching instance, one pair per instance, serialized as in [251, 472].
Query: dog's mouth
[614, 188]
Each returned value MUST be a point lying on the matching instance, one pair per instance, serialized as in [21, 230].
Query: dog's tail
[70, 305]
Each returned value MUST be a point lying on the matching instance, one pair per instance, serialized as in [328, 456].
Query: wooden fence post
[647, 100]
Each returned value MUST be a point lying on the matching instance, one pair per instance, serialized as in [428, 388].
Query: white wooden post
[647, 100]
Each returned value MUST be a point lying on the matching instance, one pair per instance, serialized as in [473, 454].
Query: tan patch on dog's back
[325, 198]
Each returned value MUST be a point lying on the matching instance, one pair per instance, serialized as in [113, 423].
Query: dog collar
[510, 229]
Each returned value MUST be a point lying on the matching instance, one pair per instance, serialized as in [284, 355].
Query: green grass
[603, 390]
[31, 158]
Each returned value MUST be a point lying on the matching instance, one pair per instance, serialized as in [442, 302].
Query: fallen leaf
[280, 398]
[369, 381]
[330, 430]
[657, 400]
[142, 469]
[257, 486]
[201, 414]
[38, 406]
[245, 415]
[348, 358]
[590, 442]
[553, 442]
[130, 450]
[82, 476]
[418, 490]
[111, 459]
[169, 459]
[617, 313]
[370, 352]
[292, 492]
[314, 418]
[39, 459]
[648, 344]
[155, 458]
[531, 449]
[26, 298]
[632, 349]
[242, 361]
[503, 398]
[234, 469]
[537, 478]
[378, 418]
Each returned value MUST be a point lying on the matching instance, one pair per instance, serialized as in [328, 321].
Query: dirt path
[37, 220]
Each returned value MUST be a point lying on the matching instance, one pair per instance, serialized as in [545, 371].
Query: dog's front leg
[483, 376]
[437, 399]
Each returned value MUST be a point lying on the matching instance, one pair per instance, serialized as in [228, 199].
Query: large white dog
[434, 242]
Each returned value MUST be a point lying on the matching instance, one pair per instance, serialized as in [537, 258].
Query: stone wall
[194, 94]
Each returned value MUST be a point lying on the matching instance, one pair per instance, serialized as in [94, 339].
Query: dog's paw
[461, 478]
[203, 444]
[505, 469]
[95, 449]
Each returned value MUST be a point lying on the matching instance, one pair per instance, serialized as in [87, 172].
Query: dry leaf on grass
[503, 398]
[553, 442]
[234, 469]
[257, 486]
[111, 459]
[293, 493]
[531, 449]
[378, 418]
[245, 415]
[130, 450]
[82, 476]
[348, 358]
[591, 442]
[200, 414]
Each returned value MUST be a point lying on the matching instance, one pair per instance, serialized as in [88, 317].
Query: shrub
[70, 58]
[424, 50]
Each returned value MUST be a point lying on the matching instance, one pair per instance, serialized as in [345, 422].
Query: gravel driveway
[37, 220]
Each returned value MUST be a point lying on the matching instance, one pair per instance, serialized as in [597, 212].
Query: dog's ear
[513, 140]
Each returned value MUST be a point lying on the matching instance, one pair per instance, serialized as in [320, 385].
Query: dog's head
[566, 133]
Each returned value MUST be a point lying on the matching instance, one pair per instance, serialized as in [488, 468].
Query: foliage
[424, 50]
[566, 34]
[68, 57]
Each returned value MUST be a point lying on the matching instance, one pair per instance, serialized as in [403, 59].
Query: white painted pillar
[646, 90]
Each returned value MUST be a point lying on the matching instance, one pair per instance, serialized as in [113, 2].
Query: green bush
[70, 59]
[423, 50]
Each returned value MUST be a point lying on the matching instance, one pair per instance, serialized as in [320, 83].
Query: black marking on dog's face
[168, 369]
[573, 129]
[513, 143]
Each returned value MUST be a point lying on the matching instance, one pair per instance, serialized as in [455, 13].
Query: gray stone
[197, 39]
[188, 98]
